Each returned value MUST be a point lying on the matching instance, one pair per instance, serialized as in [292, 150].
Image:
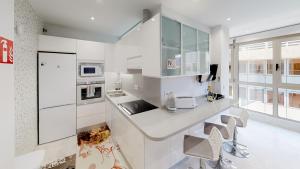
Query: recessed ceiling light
[92, 18]
[153, 19]
[228, 19]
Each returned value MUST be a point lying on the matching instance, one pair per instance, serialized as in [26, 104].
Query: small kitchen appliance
[90, 92]
[91, 69]
[187, 102]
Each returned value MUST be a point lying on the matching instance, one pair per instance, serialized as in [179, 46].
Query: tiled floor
[59, 149]
[105, 155]
[270, 147]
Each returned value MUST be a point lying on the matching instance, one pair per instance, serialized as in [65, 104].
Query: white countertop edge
[160, 138]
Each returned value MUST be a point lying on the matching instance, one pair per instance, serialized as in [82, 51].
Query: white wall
[219, 53]
[26, 76]
[61, 31]
[7, 103]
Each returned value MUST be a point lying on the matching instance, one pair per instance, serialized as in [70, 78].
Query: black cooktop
[137, 106]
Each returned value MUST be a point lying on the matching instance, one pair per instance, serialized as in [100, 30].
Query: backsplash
[25, 56]
[154, 90]
[182, 86]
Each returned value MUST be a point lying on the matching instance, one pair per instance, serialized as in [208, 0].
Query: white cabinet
[128, 50]
[134, 62]
[57, 123]
[89, 50]
[90, 114]
[56, 44]
[86, 50]
[157, 154]
[150, 47]
[165, 153]
[129, 138]
[108, 113]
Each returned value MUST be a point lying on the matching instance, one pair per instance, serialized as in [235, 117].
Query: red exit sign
[6, 51]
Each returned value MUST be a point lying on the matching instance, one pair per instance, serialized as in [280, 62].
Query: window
[256, 66]
[294, 100]
[243, 66]
[253, 76]
[256, 74]
[270, 67]
[294, 66]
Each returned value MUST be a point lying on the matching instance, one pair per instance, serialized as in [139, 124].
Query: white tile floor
[270, 147]
[59, 149]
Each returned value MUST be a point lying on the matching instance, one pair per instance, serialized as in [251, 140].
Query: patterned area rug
[96, 150]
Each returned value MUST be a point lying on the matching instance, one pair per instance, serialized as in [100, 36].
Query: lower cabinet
[129, 138]
[139, 150]
[165, 153]
[108, 111]
[90, 114]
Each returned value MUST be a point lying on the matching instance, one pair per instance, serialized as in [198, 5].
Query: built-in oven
[90, 92]
[91, 69]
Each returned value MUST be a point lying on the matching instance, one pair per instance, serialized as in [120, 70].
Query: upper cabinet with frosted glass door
[171, 48]
[190, 59]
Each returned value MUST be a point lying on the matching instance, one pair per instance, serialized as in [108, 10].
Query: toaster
[187, 102]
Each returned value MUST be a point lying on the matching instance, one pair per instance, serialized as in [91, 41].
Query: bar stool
[209, 149]
[233, 147]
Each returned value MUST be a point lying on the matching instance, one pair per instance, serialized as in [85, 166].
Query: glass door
[269, 76]
[171, 47]
[255, 79]
[289, 86]
[190, 55]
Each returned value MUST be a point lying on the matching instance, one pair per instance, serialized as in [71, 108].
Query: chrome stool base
[236, 150]
[222, 164]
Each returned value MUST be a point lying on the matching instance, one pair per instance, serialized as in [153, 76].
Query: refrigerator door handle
[57, 106]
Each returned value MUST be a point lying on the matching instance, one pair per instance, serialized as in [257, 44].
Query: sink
[117, 93]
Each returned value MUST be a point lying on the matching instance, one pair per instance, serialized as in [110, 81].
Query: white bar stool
[207, 149]
[233, 147]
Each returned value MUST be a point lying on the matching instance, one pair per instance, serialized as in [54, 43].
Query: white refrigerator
[56, 96]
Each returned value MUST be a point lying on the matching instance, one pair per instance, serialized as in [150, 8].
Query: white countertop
[159, 124]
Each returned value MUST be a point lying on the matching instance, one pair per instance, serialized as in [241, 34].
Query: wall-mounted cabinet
[171, 48]
[90, 50]
[56, 44]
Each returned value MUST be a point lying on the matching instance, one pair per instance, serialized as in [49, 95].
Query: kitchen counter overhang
[160, 124]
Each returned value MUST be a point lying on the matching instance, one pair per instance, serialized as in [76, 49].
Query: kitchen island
[154, 139]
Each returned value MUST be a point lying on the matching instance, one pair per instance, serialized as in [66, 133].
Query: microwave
[90, 93]
[91, 69]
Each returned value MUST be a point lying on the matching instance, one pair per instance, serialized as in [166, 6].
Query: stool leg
[202, 164]
[234, 148]
[222, 163]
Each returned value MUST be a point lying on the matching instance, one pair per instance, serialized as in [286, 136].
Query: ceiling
[114, 17]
